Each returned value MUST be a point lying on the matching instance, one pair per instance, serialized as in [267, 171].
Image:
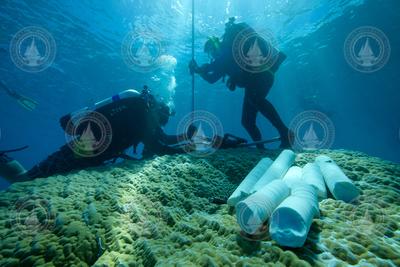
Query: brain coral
[162, 212]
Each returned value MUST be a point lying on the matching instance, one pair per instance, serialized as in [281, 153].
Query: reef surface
[165, 212]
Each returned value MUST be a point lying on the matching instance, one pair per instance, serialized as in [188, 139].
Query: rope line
[193, 74]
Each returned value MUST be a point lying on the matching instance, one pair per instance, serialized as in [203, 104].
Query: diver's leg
[249, 117]
[12, 170]
[62, 161]
[258, 96]
[58, 162]
[269, 111]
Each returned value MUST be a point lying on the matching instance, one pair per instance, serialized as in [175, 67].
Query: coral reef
[161, 212]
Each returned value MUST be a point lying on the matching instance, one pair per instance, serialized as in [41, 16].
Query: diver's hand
[193, 67]
[191, 131]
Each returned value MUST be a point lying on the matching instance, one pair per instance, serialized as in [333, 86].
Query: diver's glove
[193, 67]
[191, 131]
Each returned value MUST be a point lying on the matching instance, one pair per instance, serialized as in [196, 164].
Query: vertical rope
[193, 43]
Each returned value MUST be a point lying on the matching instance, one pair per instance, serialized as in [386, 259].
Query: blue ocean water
[89, 66]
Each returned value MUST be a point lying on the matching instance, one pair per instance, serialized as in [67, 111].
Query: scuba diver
[25, 102]
[133, 118]
[256, 84]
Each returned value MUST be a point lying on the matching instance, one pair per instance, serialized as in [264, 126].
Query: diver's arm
[156, 147]
[160, 143]
[175, 139]
[210, 72]
[167, 150]
[168, 139]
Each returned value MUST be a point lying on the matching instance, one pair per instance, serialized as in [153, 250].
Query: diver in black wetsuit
[136, 118]
[256, 85]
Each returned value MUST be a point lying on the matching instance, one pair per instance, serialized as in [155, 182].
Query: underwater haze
[227, 104]
[89, 67]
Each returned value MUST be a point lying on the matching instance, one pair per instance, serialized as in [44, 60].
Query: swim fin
[27, 103]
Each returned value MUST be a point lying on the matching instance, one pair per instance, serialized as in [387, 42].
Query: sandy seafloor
[158, 213]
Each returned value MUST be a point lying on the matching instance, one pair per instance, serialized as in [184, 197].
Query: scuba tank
[232, 31]
[131, 93]
[123, 95]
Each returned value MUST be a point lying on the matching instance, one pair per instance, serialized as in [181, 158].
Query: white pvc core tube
[252, 212]
[293, 176]
[341, 187]
[312, 175]
[292, 219]
[277, 170]
[245, 187]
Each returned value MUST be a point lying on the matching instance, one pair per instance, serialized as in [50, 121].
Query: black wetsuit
[256, 85]
[130, 127]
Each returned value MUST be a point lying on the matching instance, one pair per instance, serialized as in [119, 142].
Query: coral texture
[166, 212]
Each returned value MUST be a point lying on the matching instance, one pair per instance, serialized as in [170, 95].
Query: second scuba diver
[256, 84]
[133, 118]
